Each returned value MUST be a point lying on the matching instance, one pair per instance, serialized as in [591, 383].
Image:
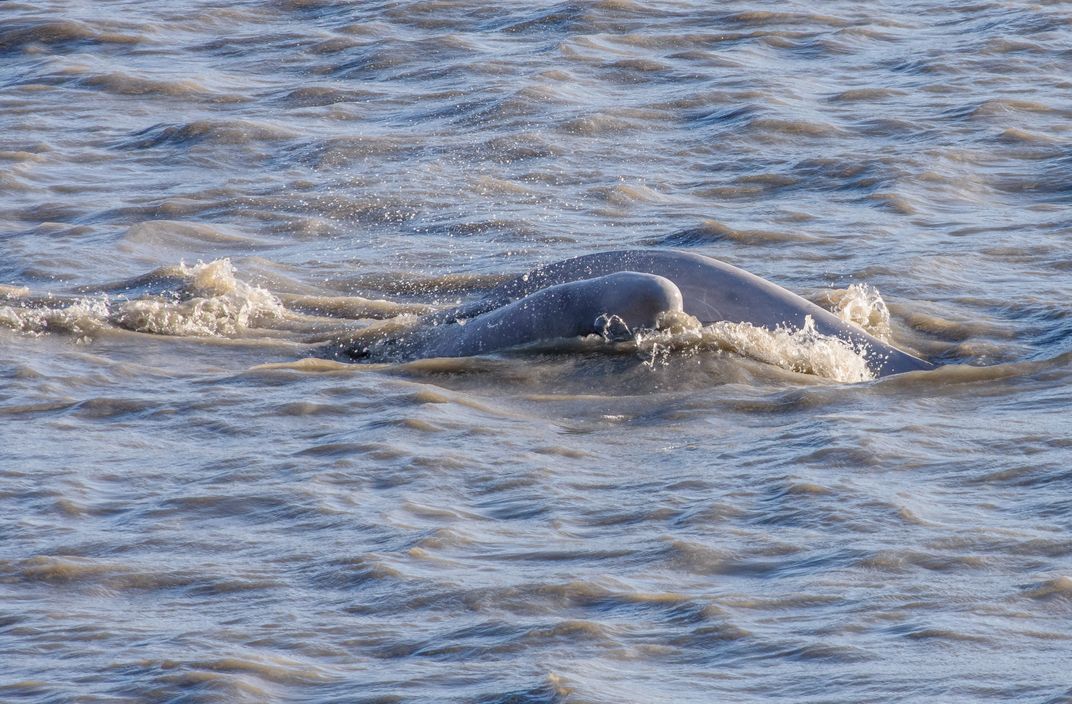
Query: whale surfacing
[631, 289]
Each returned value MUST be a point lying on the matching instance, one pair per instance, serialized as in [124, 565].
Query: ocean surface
[197, 505]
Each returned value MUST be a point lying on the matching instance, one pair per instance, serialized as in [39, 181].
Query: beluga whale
[616, 293]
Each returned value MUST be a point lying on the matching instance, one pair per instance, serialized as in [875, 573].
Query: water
[195, 196]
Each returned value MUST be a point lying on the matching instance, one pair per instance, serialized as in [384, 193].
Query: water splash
[83, 318]
[804, 350]
[215, 303]
[862, 305]
[209, 302]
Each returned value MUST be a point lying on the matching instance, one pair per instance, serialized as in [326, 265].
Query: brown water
[195, 507]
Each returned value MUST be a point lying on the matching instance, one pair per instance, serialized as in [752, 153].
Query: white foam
[82, 318]
[210, 302]
[803, 350]
[219, 305]
[862, 305]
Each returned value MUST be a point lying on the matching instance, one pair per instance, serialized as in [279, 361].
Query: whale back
[712, 290]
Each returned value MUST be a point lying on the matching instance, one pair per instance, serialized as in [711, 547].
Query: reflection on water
[195, 198]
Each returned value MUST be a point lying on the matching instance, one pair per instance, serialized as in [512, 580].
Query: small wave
[624, 194]
[309, 364]
[484, 185]
[520, 147]
[1005, 107]
[208, 131]
[24, 157]
[407, 283]
[345, 151]
[353, 307]
[252, 677]
[954, 330]
[596, 125]
[69, 569]
[865, 95]
[761, 18]
[180, 236]
[893, 203]
[119, 83]
[563, 18]
[714, 231]
[37, 35]
[794, 128]
[319, 96]
[1058, 587]
[1014, 135]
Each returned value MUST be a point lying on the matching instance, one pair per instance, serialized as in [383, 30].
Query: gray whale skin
[583, 295]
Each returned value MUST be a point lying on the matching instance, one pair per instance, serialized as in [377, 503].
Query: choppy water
[194, 509]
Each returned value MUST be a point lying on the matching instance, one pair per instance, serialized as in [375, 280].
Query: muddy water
[196, 506]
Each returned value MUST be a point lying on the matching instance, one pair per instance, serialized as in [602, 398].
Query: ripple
[1056, 588]
[37, 35]
[207, 131]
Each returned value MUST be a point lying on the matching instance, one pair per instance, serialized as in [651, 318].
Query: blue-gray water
[194, 510]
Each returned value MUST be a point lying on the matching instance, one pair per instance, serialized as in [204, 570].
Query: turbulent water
[198, 505]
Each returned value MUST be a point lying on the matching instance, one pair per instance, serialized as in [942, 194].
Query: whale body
[611, 304]
[630, 288]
